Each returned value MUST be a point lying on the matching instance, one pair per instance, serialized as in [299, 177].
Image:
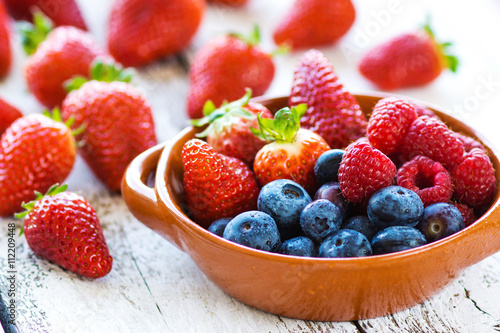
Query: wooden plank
[461, 307]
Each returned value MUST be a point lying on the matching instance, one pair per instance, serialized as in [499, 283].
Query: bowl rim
[164, 194]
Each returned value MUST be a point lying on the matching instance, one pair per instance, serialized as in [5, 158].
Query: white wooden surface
[154, 287]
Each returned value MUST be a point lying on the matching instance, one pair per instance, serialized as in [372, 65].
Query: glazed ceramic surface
[320, 289]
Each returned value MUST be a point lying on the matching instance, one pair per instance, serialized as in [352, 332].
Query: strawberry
[215, 185]
[61, 12]
[140, 32]
[35, 152]
[56, 56]
[223, 68]
[63, 228]
[118, 122]
[332, 111]
[311, 23]
[410, 59]
[229, 131]
[8, 114]
[5, 47]
[293, 152]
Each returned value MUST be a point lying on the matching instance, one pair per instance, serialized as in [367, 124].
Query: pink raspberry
[389, 123]
[432, 138]
[429, 179]
[468, 142]
[474, 179]
[467, 213]
[363, 171]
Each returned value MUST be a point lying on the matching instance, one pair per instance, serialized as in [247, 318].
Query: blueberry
[440, 220]
[254, 229]
[345, 243]
[331, 191]
[394, 239]
[298, 246]
[327, 166]
[284, 199]
[361, 224]
[320, 219]
[395, 206]
[218, 226]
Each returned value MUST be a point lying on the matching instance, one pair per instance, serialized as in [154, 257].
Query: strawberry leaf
[33, 34]
[208, 108]
[101, 71]
[253, 39]
[451, 61]
[283, 127]
[28, 206]
[224, 116]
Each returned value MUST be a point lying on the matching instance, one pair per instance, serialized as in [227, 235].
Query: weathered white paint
[154, 287]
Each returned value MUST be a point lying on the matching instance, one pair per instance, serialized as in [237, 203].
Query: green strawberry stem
[217, 119]
[56, 116]
[450, 59]
[33, 34]
[101, 71]
[283, 127]
[28, 206]
[252, 39]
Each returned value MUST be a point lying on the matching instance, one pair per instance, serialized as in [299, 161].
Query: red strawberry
[229, 128]
[215, 185]
[293, 153]
[35, 152]
[474, 179]
[118, 125]
[5, 47]
[223, 68]
[311, 23]
[63, 228]
[8, 114]
[233, 3]
[363, 171]
[142, 31]
[332, 111]
[411, 59]
[61, 12]
[62, 53]
[390, 120]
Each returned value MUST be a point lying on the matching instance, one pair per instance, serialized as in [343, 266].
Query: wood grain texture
[153, 286]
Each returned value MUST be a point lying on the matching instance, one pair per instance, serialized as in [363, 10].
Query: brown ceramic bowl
[323, 289]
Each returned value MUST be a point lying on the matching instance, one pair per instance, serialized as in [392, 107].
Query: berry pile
[402, 180]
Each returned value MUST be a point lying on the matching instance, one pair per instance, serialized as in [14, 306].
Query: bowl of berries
[323, 205]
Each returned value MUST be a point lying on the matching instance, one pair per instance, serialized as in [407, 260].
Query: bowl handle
[139, 197]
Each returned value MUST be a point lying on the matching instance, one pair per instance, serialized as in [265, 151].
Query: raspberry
[468, 142]
[474, 179]
[432, 138]
[389, 123]
[363, 171]
[423, 111]
[467, 213]
[429, 179]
